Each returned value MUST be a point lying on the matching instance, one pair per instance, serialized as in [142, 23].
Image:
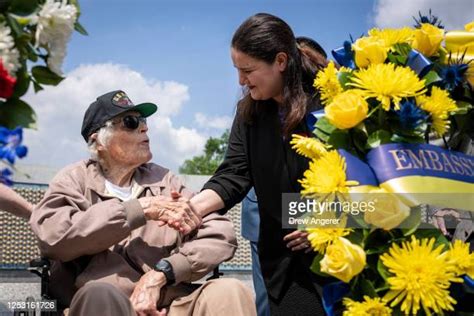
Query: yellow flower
[327, 174]
[388, 83]
[428, 39]
[460, 45]
[369, 307]
[347, 109]
[327, 83]
[421, 277]
[389, 211]
[469, 27]
[369, 50]
[391, 37]
[439, 105]
[307, 146]
[460, 258]
[320, 238]
[343, 260]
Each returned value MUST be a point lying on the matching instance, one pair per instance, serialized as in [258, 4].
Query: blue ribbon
[468, 282]
[358, 170]
[419, 63]
[312, 118]
[344, 55]
[332, 294]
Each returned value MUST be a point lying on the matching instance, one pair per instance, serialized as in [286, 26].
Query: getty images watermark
[358, 210]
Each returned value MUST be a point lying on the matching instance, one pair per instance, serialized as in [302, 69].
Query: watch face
[165, 267]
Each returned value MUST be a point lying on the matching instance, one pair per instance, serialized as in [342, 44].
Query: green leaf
[16, 28]
[324, 125]
[440, 239]
[22, 83]
[45, 76]
[16, 112]
[382, 270]
[431, 77]
[407, 139]
[344, 78]
[321, 135]
[412, 222]
[316, 266]
[359, 219]
[361, 286]
[79, 28]
[339, 139]
[37, 86]
[356, 237]
[402, 49]
[463, 107]
[378, 138]
[23, 7]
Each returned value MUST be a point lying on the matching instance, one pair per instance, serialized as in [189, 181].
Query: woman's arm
[14, 203]
[207, 201]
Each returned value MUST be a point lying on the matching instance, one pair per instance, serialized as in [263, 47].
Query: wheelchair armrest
[215, 274]
[40, 267]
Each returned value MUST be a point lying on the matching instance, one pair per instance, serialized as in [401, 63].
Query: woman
[278, 78]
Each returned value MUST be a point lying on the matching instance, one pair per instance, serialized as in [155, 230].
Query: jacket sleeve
[68, 225]
[232, 179]
[213, 243]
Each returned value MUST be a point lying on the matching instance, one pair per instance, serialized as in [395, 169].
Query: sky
[176, 53]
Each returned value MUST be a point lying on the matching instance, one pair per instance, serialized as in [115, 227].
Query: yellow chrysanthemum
[326, 174]
[308, 146]
[327, 83]
[421, 277]
[387, 83]
[460, 258]
[321, 238]
[439, 105]
[393, 36]
[369, 307]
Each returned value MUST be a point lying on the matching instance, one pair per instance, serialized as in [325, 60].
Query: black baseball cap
[108, 106]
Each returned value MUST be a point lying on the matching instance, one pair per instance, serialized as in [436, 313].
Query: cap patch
[121, 99]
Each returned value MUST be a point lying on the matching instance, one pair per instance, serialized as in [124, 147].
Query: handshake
[175, 211]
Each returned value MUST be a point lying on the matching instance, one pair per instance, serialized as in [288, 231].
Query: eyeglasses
[132, 122]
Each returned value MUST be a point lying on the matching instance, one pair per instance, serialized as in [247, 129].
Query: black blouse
[258, 155]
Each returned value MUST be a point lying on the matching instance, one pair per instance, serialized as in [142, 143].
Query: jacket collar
[144, 176]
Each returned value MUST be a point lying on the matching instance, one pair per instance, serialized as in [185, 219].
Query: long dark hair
[263, 36]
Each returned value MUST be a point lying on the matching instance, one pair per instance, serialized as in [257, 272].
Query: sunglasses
[132, 122]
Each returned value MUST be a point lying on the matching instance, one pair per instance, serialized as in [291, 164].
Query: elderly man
[112, 225]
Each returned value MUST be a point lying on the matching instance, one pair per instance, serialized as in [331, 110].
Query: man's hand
[147, 293]
[298, 240]
[174, 211]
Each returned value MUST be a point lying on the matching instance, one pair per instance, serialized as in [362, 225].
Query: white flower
[9, 55]
[55, 24]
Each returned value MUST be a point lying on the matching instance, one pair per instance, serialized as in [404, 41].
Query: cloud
[217, 122]
[453, 14]
[60, 110]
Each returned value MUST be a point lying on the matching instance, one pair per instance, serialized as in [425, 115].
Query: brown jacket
[96, 237]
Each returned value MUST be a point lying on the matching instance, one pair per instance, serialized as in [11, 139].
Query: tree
[206, 164]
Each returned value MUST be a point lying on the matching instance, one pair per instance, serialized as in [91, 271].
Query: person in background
[14, 203]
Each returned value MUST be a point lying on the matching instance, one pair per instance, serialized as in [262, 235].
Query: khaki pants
[224, 296]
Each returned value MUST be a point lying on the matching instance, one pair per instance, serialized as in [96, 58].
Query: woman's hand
[174, 211]
[298, 240]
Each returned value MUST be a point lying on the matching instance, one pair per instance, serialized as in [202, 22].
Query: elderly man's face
[129, 146]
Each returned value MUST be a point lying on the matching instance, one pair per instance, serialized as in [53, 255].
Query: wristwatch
[165, 267]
